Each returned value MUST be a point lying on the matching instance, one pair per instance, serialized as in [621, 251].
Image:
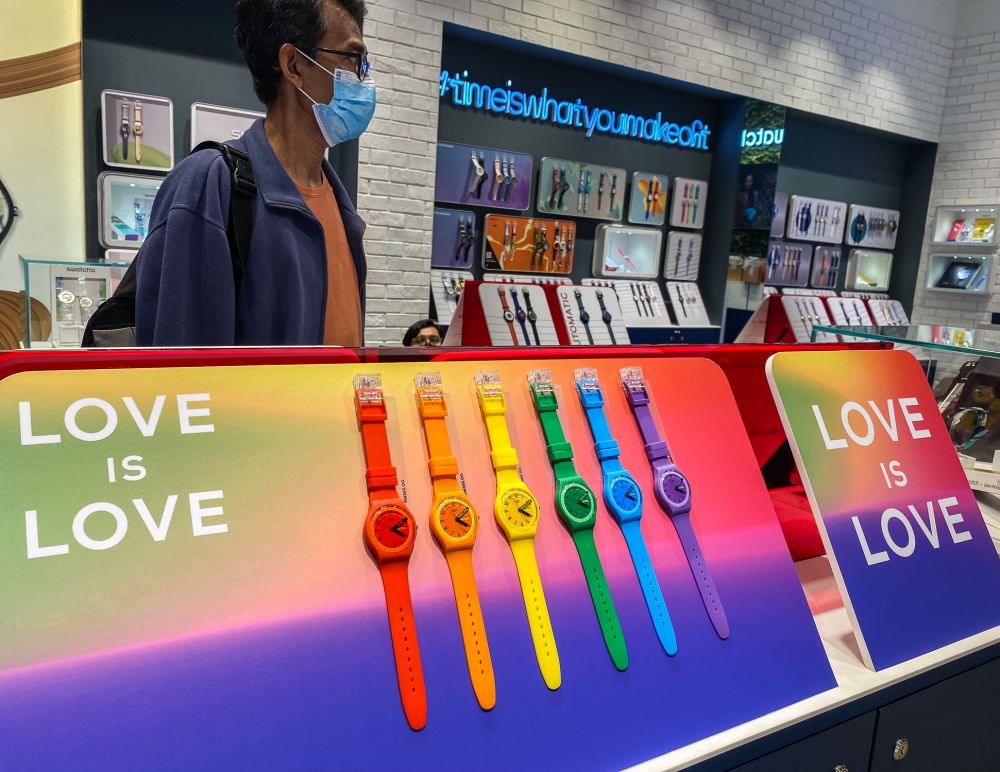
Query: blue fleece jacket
[185, 294]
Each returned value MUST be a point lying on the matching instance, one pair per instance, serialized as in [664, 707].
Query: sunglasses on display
[363, 67]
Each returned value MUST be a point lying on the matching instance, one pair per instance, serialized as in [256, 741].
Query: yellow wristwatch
[516, 512]
[454, 523]
[137, 130]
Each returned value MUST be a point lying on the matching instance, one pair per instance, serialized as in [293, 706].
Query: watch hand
[460, 517]
[524, 509]
[584, 500]
[395, 528]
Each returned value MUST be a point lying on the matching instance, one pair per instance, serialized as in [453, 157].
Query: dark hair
[264, 26]
[416, 327]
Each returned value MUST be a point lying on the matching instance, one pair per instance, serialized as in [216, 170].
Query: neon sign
[542, 107]
[762, 137]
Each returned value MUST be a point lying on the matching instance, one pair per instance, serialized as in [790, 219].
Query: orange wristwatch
[454, 523]
[390, 532]
[508, 315]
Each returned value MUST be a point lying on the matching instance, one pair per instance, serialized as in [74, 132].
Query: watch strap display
[405, 649]
[470, 619]
[442, 465]
[650, 586]
[702, 576]
[597, 583]
[538, 612]
[380, 475]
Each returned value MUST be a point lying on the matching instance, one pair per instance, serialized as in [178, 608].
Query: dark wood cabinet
[844, 748]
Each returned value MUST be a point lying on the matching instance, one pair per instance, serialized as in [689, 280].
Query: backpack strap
[243, 188]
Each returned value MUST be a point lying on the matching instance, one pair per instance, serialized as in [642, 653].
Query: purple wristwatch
[673, 493]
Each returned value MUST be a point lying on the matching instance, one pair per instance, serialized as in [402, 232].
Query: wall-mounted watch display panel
[517, 315]
[526, 278]
[122, 256]
[688, 307]
[479, 176]
[581, 190]
[888, 312]
[125, 204]
[849, 312]
[218, 123]
[447, 287]
[648, 205]
[683, 256]
[816, 219]
[137, 131]
[869, 226]
[788, 264]
[960, 273]
[640, 301]
[527, 244]
[972, 225]
[780, 213]
[592, 316]
[453, 243]
[804, 313]
[868, 270]
[623, 251]
[688, 207]
[826, 266]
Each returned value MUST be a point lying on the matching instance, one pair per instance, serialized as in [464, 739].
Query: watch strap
[597, 583]
[650, 586]
[381, 474]
[538, 612]
[403, 629]
[502, 453]
[655, 447]
[605, 444]
[559, 450]
[702, 576]
[470, 619]
[443, 466]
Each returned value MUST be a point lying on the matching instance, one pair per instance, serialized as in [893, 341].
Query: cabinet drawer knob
[902, 746]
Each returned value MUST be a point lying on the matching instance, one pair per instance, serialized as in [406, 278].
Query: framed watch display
[640, 301]
[826, 267]
[867, 270]
[517, 315]
[648, 205]
[688, 207]
[576, 189]
[218, 123]
[869, 226]
[688, 307]
[446, 289]
[125, 204]
[453, 243]
[816, 219]
[970, 273]
[480, 176]
[621, 251]
[526, 244]
[592, 316]
[788, 264]
[683, 256]
[970, 225]
[137, 131]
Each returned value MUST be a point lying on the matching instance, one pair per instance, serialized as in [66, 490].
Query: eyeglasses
[427, 340]
[363, 67]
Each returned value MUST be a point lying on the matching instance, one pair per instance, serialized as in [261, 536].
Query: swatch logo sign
[762, 137]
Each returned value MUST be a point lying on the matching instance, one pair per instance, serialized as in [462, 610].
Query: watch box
[576, 189]
[648, 204]
[218, 123]
[868, 270]
[125, 207]
[622, 251]
[137, 131]
[688, 207]
[816, 219]
[683, 256]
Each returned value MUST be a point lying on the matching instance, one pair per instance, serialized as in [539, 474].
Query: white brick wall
[831, 57]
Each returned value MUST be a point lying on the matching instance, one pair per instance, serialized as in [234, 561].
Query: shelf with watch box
[517, 315]
[966, 273]
[478, 176]
[788, 264]
[648, 205]
[125, 206]
[621, 250]
[816, 219]
[872, 227]
[688, 207]
[592, 316]
[453, 241]
[446, 289]
[528, 244]
[868, 270]
[137, 131]
[825, 267]
[641, 302]
[966, 226]
[682, 258]
[687, 305]
[805, 312]
[578, 189]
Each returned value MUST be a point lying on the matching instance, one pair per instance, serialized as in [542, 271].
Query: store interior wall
[41, 152]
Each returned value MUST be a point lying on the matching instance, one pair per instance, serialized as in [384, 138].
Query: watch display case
[868, 270]
[640, 301]
[648, 205]
[580, 189]
[137, 131]
[453, 242]
[804, 313]
[446, 289]
[592, 316]
[688, 307]
[526, 244]
[479, 176]
[517, 315]
[849, 312]
[816, 219]
[125, 204]
[869, 226]
[969, 273]
[683, 256]
[888, 312]
[624, 251]
[688, 207]
[971, 225]
[218, 123]
[826, 267]
[788, 264]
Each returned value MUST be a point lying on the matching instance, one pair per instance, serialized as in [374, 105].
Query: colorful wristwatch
[516, 512]
[584, 315]
[508, 315]
[576, 506]
[124, 129]
[532, 316]
[522, 317]
[390, 533]
[137, 130]
[623, 498]
[606, 316]
[673, 494]
[454, 523]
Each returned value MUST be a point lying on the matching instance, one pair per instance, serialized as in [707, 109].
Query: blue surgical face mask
[350, 110]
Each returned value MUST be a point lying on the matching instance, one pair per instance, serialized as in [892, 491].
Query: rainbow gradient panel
[915, 564]
[184, 583]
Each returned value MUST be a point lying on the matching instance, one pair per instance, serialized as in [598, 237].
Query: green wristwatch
[576, 506]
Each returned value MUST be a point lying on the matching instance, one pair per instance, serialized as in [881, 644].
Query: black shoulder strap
[244, 187]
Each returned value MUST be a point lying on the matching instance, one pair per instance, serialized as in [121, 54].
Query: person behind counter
[305, 276]
[423, 333]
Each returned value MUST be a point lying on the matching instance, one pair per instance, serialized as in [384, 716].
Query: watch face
[578, 501]
[675, 487]
[626, 494]
[508, 315]
[392, 527]
[456, 518]
[519, 509]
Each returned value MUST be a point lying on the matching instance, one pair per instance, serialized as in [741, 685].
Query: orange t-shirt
[343, 301]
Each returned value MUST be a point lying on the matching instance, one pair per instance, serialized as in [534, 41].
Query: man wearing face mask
[305, 274]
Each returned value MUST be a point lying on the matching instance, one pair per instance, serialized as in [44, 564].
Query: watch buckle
[429, 386]
[541, 381]
[633, 382]
[586, 378]
[368, 388]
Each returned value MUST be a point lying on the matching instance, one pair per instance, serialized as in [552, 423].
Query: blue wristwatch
[623, 498]
[522, 317]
